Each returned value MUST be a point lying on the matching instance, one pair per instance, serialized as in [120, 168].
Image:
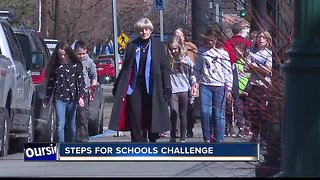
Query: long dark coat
[160, 78]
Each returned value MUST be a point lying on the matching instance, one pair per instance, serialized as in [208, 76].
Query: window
[41, 46]
[104, 61]
[25, 47]
[13, 44]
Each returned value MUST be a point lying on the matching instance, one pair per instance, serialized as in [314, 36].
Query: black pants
[192, 115]
[257, 107]
[82, 132]
[140, 112]
[178, 109]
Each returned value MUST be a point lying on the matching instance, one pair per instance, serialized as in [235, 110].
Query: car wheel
[4, 133]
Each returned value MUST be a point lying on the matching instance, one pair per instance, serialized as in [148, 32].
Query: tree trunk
[57, 20]
[200, 22]
[260, 18]
[44, 18]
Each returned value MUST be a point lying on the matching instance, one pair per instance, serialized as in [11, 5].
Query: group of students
[72, 79]
[251, 59]
[155, 76]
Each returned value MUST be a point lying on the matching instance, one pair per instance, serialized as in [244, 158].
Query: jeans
[66, 120]
[213, 108]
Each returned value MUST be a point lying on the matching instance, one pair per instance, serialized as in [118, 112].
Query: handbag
[50, 111]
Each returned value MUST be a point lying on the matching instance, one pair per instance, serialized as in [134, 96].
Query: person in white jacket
[214, 77]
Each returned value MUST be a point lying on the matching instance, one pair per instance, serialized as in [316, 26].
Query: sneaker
[234, 131]
[190, 134]
[227, 133]
[177, 134]
[163, 134]
[211, 138]
[241, 132]
[182, 141]
[172, 140]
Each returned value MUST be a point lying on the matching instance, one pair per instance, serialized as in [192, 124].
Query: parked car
[32, 42]
[16, 93]
[105, 69]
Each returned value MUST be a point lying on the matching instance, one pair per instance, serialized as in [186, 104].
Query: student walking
[90, 79]
[66, 87]
[182, 79]
[193, 102]
[214, 75]
[260, 58]
[239, 41]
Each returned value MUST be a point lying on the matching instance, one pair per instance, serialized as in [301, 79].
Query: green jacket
[243, 77]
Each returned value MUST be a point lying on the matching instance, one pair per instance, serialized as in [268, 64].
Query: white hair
[143, 23]
[245, 32]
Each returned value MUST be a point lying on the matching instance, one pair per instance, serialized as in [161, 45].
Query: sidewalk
[124, 136]
[178, 169]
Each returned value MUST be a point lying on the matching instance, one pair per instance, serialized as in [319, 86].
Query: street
[107, 92]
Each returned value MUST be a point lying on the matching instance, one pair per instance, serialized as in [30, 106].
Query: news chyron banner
[40, 151]
[142, 151]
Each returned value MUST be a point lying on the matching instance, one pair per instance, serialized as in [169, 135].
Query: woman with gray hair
[143, 88]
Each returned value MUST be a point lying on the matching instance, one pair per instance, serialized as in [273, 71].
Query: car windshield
[104, 61]
[105, 57]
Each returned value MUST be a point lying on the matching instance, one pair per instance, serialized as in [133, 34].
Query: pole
[115, 37]
[161, 25]
[300, 128]
[260, 17]
[217, 12]
[116, 47]
[39, 3]
[44, 18]
[200, 20]
[57, 20]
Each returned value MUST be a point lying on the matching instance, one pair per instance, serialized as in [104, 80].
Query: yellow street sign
[123, 39]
